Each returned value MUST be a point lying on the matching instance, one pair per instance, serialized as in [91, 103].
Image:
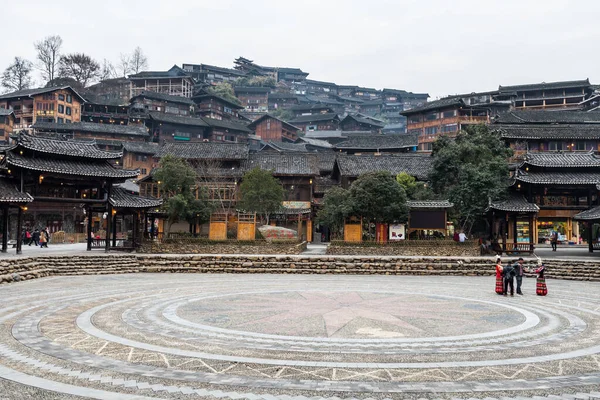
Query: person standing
[499, 281]
[35, 237]
[554, 240]
[455, 236]
[462, 237]
[540, 287]
[509, 274]
[43, 239]
[519, 270]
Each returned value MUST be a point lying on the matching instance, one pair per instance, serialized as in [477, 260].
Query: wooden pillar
[108, 226]
[145, 224]
[19, 230]
[89, 229]
[5, 229]
[590, 237]
[114, 230]
[515, 228]
[135, 215]
[504, 230]
[152, 228]
[530, 228]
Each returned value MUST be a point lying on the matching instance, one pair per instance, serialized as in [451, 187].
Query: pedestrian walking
[554, 240]
[499, 281]
[508, 274]
[462, 237]
[519, 270]
[44, 238]
[35, 236]
[28, 239]
[540, 287]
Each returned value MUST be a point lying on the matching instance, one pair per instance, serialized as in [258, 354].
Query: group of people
[505, 277]
[37, 237]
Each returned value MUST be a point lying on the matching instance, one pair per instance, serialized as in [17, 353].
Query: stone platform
[284, 337]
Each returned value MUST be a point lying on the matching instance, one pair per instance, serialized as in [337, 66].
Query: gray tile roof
[436, 105]
[303, 119]
[294, 164]
[559, 178]
[378, 142]
[364, 120]
[225, 124]
[514, 203]
[310, 107]
[264, 116]
[205, 151]
[71, 148]
[545, 85]
[92, 127]
[315, 142]
[287, 147]
[177, 120]
[562, 160]
[163, 97]
[203, 96]
[541, 132]
[548, 117]
[101, 169]
[36, 91]
[6, 111]
[417, 165]
[122, 198]
[140, 147]
[326, 160]
[429, 204]
[588, 215]
[10, 194]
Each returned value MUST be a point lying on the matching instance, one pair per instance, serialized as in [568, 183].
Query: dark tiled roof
[588, 215]
[532, 132]
[313, 118]
[69, 148]
[379, 142]
[323, 183]
[545, 85]
[6, 111]
[548, 117]
[205, 151]
[262, 117]
[288, 147]
[174, 72]
[10, 194]
[322, 83]
[116, 129]
[34, 92]
[559, 178]
[122, 198]
[562, 160]
[252, 89]
[287, 70]
[435, 105]
[226, 124]
[163, 97]
[323, 100]
[274, 96]
[417, 165]
[316, 142]
[177, 120]
[363, 120]
[429, 204]
[310, 107]
[515, 203]
[284, 163]
[142, 148]
[377, 102]
[101, 169]
[200, 97]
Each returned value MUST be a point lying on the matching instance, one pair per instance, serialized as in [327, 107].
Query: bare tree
[138, 60]
[107, 70]
[79, 66]
[18, 75]
[220, 183]
[124, 65]
[48, 55]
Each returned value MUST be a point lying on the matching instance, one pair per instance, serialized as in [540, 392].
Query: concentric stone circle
[292, 336]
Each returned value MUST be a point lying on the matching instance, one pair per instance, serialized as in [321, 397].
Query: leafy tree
[283, 114]
[79, 66]
[48, 55]
[224, 90]
[260, 192]
[18, 75]
[256, 81]
[378, 197]
[177, 180]
[469, 170]
[337, 205]
[414, 190]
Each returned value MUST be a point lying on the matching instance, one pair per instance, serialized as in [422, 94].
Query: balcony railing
[465, 119]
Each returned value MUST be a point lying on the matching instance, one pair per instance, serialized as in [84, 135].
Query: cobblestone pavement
[297, 337]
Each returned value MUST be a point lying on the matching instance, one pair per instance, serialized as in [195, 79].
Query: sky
[440, 47]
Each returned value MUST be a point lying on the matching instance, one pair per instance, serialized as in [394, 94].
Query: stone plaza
[283, 337]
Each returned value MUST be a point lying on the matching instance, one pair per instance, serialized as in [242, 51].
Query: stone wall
[17, 269]
[436, 248]
[225, 247]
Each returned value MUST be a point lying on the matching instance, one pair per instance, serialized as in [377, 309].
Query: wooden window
[69, 98]
[68, 111]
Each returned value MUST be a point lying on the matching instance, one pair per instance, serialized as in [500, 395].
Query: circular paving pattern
[297, 337]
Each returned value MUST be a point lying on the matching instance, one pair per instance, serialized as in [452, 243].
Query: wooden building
[321, 88]
[7, 122]
[378, 144]
[139, 156]
[311, 109]
[317, 122]
[105, 113]
[270, 128]
[372, 108]
[172, 128]
[212, 74]
[548, 95]
[282, 101]
[227, 130]
[175, 82]
[147, 101]
[359, 122]
[93, 131]
[286, 74]
[254, 99]
[59, 104]
[216, 107]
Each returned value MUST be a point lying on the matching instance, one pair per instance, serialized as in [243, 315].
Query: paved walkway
[300, 337]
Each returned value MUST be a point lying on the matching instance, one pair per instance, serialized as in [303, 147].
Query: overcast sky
[439, 46]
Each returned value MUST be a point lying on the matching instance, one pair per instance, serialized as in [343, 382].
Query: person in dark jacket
[509, 275]
[519, 270]
[35, 236]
